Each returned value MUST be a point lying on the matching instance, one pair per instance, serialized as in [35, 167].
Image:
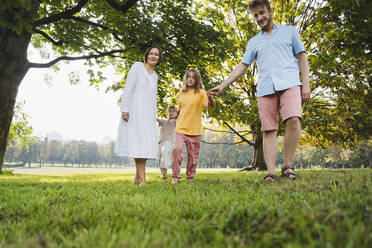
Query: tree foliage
[340, 38]
[100, 32]
[337, 37]
[21, 129]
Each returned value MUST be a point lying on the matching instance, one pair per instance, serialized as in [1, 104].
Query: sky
[77, 112]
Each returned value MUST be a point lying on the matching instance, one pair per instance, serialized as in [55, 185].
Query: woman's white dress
[137, 138]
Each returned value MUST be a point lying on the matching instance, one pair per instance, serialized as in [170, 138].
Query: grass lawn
[322, 208]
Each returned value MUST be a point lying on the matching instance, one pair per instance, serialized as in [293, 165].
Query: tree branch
[65, 14]
[221, 143]
[122, 8]
[79, 19]
[222, 131]
[241, 136]
[68, 58]
[56, 43]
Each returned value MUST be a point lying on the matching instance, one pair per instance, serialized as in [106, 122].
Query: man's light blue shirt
[276, 56]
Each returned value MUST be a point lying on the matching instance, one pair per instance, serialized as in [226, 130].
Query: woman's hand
[125, 116]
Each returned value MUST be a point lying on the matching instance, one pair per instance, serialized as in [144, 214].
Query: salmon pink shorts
[288, 102]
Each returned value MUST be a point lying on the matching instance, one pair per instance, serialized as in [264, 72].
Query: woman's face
[153, 56]
[190, 79]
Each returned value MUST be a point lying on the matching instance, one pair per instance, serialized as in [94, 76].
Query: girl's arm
[211, 102]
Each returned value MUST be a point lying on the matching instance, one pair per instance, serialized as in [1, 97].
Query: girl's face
[153, 56]
[190, 80]
[172, 114]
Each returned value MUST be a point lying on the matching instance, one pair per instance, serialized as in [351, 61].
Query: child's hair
[198, 82]
[171, 108]
[255, 3]
[160, 54]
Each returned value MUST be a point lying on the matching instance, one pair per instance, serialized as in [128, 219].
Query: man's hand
[237, 72]
[216, 90]
[305, 93]
[125, 116]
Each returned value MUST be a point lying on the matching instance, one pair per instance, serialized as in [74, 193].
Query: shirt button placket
[271, 62]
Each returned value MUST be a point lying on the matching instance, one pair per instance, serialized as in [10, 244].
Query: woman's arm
[129, 87]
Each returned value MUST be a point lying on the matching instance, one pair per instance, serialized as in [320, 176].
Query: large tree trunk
[13, 68]
[258, 162]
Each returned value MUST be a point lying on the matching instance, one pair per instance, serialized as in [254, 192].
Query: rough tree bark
[13, 67]
[258, 162]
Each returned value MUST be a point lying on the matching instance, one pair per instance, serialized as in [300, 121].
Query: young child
[166, 140]
[192, 99]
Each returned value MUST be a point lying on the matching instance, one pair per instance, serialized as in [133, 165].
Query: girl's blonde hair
[198, 82]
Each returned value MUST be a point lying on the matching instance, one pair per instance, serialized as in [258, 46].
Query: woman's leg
[140, 169]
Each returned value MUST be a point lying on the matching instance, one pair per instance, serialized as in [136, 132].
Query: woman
[137, 133]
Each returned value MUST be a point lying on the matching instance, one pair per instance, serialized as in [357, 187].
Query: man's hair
[160, 54]
[255, 3]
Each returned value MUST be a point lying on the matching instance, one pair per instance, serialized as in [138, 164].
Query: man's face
[262, 16]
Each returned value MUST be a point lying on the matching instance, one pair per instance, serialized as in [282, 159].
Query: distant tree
[362, 156]
[55, 151]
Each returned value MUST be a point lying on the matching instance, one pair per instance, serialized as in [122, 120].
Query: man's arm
[304, 70]
[237, 72]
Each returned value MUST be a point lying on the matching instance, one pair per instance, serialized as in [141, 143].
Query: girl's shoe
[175, 180]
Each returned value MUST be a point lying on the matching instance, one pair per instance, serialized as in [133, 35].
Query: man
[281, 57]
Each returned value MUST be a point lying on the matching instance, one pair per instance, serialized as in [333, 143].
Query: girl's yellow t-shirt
[191, 106]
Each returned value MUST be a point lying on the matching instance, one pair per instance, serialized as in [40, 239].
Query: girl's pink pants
[192, 143]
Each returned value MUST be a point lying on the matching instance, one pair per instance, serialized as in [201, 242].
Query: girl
[166, 140]
[137, 133]
[192, 100]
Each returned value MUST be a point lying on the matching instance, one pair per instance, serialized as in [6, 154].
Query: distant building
[107, 139]
[54, 136]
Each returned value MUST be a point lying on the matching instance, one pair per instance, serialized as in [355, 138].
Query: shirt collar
[276, 26]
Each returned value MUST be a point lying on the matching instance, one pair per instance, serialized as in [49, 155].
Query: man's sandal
[290, 173]
[270, 178]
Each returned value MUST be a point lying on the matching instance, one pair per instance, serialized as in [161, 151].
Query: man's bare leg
[291, 139]
[270, 149]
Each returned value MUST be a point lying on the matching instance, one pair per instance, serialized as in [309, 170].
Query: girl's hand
[125, 116]
[211, 101]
